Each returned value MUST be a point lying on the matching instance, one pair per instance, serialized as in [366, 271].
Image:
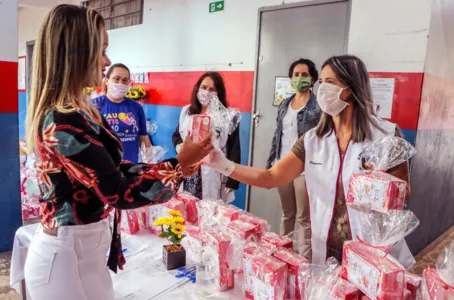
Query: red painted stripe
[8, 77]
[407, 97]
[175, 88]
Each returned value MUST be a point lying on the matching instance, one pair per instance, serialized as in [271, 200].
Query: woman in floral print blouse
[79, 161]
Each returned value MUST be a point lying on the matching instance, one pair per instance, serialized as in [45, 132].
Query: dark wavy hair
[310, 65]
[352, 72]
[195, 107]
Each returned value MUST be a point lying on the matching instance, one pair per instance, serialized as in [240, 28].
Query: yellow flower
[178, 220]
[141, 90]
[167, 221]
[178, 229]
[174, 213]
[159, 222]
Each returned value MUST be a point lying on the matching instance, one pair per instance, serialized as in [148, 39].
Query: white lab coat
[322, 168]
[213, 183]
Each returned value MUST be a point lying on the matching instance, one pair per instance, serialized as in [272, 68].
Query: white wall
[30, 20]
[31, 14]
[179, 35]
[390, 35]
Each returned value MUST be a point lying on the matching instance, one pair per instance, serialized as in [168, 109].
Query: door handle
[255, 117]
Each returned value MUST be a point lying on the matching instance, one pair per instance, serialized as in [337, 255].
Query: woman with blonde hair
[79, 163]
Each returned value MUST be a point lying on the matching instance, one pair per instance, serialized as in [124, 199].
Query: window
[118, 13]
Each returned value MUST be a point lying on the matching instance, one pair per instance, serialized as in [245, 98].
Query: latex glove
[228, 190]
[218, 162]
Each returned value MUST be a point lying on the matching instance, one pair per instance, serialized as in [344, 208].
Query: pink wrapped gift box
[143, 216]
[270, 277]
[243, 230]
[293, 262]
[229, 212]
[219, 242]
[177, 204]
[191, 206]
[262, 223]
[249, 252]
[277, 240]
[434, 288]
[30, 210]
[129, 222]
[338, 289]
[378, 190]
[370, 270]
[413, 284]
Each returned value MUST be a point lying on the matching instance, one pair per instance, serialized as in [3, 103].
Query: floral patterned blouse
[82, 176]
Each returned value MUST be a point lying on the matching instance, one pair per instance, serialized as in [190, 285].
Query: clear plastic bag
[445, 265]
[438, 284]
[153, 154]
[324, 282]
[207, 211]
[373, 188]
[367, 264]
[385, 230]
[222, 116]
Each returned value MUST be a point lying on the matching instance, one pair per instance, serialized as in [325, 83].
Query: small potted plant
[172, 226]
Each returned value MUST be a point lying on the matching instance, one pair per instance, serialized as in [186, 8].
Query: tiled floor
[427, 257]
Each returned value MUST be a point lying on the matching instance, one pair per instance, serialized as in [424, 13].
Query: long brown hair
[351, 72]
[68, 58]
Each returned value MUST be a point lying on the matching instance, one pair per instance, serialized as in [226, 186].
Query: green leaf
[165, 234]
[174, 239]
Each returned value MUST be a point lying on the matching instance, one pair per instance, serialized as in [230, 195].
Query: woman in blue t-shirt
[124, 115]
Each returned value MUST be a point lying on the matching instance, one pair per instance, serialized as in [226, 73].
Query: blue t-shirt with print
[127, 119]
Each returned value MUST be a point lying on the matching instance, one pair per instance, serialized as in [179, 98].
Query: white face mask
[205, 97]
[328, 99]
[117, 90]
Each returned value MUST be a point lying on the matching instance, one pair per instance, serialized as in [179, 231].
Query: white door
[315, 30]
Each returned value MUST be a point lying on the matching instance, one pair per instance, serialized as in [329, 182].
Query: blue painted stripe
[10, 212]
[410, 136]
[167, 118]
[22, 113]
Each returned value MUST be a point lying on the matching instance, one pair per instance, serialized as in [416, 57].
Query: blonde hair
[68, 58]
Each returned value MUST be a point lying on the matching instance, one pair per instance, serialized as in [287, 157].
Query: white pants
[71, 265]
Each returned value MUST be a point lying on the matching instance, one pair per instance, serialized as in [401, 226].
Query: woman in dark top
[79, 162]
[207, 183]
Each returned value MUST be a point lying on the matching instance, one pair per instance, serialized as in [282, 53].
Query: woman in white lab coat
[329, 155]
[208, 183]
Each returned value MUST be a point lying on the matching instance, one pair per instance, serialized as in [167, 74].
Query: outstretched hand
[192, 153]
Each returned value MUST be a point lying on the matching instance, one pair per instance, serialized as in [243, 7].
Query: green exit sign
[216, 6]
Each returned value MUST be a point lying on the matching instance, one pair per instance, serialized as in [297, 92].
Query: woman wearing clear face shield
[328, 154]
